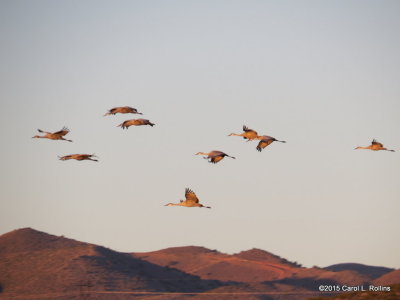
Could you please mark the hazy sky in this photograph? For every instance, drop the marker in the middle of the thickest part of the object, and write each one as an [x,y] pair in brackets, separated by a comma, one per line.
[322,75]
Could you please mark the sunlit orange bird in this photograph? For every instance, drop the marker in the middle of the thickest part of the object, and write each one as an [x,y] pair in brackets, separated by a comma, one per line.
[375,146]
[265,141]
[135,122]
[191,200]
[214,156]
[248,134]
[59,135]
[78,157]
[122,110]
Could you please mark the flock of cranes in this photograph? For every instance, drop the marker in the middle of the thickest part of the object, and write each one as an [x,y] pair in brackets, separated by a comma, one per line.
[214,156]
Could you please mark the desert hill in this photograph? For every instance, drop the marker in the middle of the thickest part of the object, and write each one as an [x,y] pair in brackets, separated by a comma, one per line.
[38,265]
[388,278]
[370,271]
[33,262]
[249,266]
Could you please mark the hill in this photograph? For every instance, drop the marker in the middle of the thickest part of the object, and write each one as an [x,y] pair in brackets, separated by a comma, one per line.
[388,278]
[37,265]
[249,266]
[33,262]
[370,271]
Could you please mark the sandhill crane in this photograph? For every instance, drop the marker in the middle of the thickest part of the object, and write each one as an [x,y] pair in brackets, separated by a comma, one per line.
[248,134]
[135,122]
[122,110]
[78,157]
[191,200]
[265,141]
[59,135]
[375,146]
[214,156]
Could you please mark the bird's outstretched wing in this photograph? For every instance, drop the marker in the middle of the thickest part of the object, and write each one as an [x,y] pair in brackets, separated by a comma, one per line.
[216,159]
[263,143]
[191,196]
[375,142]
[62,132]
[41,131]
[215,153]
[247,129]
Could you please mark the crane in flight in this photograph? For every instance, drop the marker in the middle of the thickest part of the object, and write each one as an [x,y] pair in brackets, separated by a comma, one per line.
[190,201]
[214,156]
[122,110]
[78,157]
[375,146]
[265,141]
[58,135]
[247,133]
[135,122]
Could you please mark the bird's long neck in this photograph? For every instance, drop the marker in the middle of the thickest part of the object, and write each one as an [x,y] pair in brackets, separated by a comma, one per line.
[236,134]
[359,147]
[201,153]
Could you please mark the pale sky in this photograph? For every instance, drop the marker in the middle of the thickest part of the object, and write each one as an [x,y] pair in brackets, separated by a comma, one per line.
[322,75]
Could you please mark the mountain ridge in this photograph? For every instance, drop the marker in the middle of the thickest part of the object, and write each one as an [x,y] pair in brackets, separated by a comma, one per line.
[35,263]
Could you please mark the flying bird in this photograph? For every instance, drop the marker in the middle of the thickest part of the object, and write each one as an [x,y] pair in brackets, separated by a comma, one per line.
[248,134]
[375,146]
[191,200]
[214,156]
[122,110]
[59,135]
[265,141]
[135,122]
[78,157]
